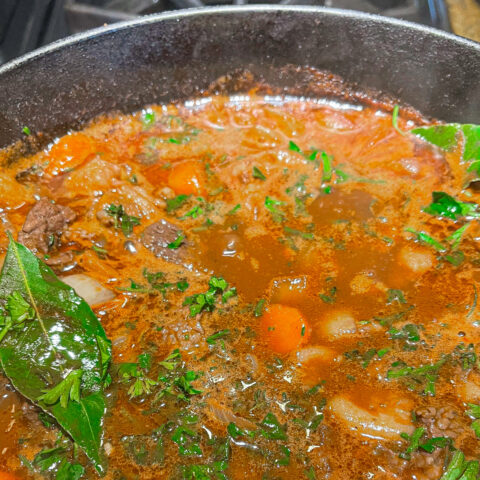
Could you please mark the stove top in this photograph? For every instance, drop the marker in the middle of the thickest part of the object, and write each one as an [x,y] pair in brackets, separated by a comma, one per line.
[28,24]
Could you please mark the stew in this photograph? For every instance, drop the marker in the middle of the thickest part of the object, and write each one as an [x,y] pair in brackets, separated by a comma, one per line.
[243,287]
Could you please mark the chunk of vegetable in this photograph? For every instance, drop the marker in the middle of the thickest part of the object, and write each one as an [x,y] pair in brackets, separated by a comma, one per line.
[338,324]
[92,291]
[416,259]
[284,328]
[187,178]
[316,353]
[69,152]
[386,420]
[288,289]
[469,390]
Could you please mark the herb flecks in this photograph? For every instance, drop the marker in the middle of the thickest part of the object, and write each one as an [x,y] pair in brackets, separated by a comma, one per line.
[207,301]
[272,206]
[177,242]
[136,375]
[418,441]
[176,202]
[18,311]
[257,173]
[121,220]
[461,469]
[474,413]
[395,113]
[420,379]
[67,389]
[444,205]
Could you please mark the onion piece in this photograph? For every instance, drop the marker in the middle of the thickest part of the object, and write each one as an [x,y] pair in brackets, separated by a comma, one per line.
[226,416]
[92,291]
[316,352]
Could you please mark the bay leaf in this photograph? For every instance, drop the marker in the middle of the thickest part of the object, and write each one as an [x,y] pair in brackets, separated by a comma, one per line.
[64,335]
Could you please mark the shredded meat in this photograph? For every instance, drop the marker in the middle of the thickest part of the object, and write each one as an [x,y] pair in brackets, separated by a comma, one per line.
[441,422]
[157,236]
[44,225]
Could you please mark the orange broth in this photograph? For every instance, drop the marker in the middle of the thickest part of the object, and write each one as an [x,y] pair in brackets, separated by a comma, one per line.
[302,206]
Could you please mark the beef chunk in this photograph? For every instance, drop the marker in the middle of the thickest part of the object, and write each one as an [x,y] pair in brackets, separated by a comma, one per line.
[157,236]
[44,225]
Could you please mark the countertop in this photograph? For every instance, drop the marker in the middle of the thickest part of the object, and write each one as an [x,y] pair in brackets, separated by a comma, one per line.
[465,18]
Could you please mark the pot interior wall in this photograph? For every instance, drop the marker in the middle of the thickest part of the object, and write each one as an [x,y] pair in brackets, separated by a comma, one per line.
[176,56]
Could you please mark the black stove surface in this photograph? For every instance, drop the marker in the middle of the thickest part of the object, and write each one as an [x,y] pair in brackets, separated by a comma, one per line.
[28,24]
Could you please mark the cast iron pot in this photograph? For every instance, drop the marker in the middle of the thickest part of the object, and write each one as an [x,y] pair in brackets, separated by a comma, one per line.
[176,55]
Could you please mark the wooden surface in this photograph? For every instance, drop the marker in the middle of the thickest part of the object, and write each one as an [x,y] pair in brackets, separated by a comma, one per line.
[465,18]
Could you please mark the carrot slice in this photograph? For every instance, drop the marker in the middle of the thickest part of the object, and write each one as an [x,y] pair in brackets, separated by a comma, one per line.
[284,328]
[69,152]
[188,178]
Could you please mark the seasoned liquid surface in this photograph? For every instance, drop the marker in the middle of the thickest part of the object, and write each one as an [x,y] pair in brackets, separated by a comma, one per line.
[302,207]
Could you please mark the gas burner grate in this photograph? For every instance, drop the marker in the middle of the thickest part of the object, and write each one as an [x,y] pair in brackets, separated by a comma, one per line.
[28,24]
[429,12]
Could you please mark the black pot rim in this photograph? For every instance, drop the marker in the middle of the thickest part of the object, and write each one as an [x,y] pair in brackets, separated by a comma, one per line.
[205,11]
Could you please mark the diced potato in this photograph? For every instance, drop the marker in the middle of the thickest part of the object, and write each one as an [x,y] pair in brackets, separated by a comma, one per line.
[338,324]
[469,390]
[384,419]
[364,283]
[417,259]
[288,289]
[95,175]
[135,200]
[316,353]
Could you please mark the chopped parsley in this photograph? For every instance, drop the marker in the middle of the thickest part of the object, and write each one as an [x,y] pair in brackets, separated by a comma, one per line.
[450,244]
[330,297]
[68,389]
[207,301]
[271,205]
[327,167]
[461,469]
[148,119]
[212,339]
[409,332]
[396,110]
[443,205]
[294,147]
[474,414]
[298,233]
[101,252]
[195,212]
[429,240]
[257,173]
[429,445]
[310,155]
[234,209]
[176,203]
[420,379]
[394,295]
[121,219]
[177,242]
[258,311]
[271,429]
[135,374]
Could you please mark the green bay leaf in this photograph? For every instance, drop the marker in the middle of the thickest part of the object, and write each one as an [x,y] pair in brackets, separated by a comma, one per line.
[64,336]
